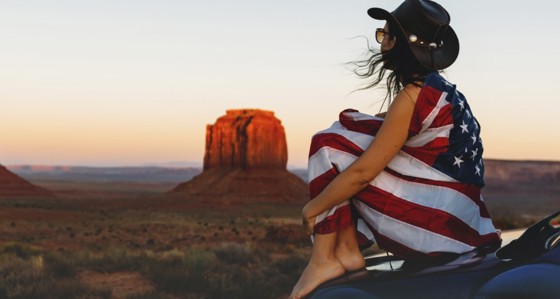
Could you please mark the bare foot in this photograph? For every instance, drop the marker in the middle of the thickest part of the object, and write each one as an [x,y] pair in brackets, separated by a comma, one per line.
[315,274]
[351,260]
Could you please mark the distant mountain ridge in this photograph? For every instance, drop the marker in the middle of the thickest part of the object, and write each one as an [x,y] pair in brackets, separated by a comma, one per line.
[511,171]
[104,174]
[496,171]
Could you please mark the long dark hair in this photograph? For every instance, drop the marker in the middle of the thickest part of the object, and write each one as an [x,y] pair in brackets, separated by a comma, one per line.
[397,66]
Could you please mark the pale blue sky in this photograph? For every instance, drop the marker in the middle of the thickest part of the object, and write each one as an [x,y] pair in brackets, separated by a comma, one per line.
[136,82]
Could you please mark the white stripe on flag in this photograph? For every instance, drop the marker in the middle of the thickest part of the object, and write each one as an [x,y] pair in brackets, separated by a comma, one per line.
[364,230]
[323,160]
[406,164]
[331,211]
[360,139]
[436,197]
[402,162]
[409,235]
[429,135]
[426,123]
[358,116]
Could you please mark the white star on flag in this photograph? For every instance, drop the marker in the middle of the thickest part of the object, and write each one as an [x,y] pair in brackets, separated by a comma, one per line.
[468,113]
[477,170]
[462,104]
[464,127]
[474,153]
[473,137]
[458,161]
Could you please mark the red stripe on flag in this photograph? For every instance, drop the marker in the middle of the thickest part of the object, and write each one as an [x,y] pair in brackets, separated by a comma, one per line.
[444,117]
[364,126]
[342,218]
[335,141]
[425,104]
[433,220]
[319,183]
[471,191]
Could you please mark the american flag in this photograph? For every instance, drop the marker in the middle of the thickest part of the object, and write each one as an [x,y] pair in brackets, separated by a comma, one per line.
[427,200]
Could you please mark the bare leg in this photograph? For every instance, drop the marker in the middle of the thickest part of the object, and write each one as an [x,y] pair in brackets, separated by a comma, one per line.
[323,265]
[347,250]
[332,255]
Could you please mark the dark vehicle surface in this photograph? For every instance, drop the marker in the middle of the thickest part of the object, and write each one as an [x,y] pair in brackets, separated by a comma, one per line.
[527,267]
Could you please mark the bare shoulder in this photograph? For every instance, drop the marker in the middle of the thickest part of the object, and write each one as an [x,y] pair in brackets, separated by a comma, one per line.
[409,93]
[402,107]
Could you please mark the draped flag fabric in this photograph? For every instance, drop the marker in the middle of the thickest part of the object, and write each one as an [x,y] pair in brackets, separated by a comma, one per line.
[427,200]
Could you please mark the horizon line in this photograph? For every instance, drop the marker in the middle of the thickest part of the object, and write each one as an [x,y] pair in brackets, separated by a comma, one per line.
[193,164]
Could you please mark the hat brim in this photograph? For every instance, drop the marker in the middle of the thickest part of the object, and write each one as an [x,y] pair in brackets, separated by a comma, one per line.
[443,57]
[379,14]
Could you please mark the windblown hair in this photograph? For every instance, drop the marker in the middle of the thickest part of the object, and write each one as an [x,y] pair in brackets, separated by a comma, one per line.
[396,67]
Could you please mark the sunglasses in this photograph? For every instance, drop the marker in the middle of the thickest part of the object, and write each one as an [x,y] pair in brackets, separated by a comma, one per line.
[380,34]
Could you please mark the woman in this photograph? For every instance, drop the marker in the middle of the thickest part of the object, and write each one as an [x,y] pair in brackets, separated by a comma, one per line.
[411,180]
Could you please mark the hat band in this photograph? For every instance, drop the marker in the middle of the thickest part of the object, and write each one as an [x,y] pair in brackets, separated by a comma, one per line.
[432,45]
[413,39]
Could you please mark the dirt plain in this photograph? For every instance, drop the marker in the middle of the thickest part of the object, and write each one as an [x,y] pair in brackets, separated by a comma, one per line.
[138,221]
[133,240]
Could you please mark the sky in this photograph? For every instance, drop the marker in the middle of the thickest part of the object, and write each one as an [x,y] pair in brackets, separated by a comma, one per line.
[135,82]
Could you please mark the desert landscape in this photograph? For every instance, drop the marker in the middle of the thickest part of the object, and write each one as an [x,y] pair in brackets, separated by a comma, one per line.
[112,243]
[228,229]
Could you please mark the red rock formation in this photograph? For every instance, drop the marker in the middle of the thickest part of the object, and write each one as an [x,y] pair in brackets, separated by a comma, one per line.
[245,161]
[13,185]
[247,139]
[225,186]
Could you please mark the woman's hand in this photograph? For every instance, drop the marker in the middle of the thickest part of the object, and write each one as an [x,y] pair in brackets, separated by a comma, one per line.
[308,220]
[308,225]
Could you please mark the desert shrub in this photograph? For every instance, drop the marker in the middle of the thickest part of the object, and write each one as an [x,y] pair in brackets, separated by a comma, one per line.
[169,276]
[292,265]
[233,270]
[115,259]
[21,279]
[265,278]
[180,273]
[200,261]
[281,275]
[18,278]
[230,281]
[155,295]
[60,266]
[64,264]
[19,250]
[234,253]
[55,289]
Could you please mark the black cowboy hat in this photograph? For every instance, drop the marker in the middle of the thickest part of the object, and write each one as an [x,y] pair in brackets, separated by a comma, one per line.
[425,25]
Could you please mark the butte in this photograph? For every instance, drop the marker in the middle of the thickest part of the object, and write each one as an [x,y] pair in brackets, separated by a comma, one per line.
[11,185]
[245,161]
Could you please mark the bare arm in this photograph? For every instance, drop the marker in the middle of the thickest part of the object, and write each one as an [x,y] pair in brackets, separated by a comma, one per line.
[388,141]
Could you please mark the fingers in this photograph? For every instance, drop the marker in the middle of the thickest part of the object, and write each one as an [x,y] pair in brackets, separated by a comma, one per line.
[309,226]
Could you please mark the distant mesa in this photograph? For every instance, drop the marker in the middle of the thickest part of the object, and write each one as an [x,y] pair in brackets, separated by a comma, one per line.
[11,185]
[245,160]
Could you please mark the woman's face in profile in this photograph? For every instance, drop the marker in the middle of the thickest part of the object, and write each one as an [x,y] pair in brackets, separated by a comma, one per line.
[387,44]
[388,41]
